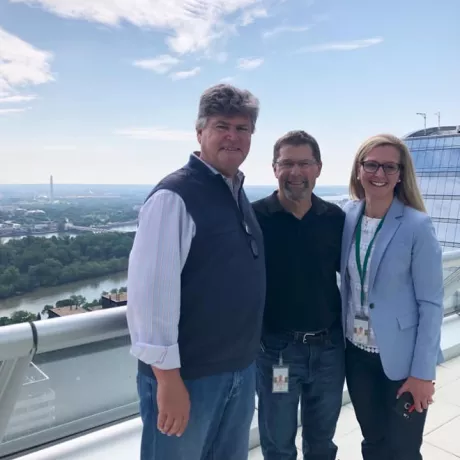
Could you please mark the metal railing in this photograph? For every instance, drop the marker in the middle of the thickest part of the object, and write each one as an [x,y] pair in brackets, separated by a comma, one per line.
[20,343]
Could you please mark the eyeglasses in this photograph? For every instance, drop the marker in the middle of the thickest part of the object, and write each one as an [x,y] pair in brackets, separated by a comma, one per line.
[373,166]
[252,241]
[288,164]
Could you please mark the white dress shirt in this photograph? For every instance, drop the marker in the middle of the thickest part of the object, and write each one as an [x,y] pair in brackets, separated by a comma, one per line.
[161,246]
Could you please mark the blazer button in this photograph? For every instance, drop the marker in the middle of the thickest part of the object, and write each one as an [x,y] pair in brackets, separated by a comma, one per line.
[371,306]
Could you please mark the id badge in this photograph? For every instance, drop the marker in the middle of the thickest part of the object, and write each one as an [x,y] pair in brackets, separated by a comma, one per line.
[280,379]
[361,331]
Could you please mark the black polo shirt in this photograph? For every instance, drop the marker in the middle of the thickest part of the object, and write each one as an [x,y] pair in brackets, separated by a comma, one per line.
[302,262]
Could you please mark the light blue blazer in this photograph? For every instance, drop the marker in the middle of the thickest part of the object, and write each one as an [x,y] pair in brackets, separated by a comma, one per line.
[405,290]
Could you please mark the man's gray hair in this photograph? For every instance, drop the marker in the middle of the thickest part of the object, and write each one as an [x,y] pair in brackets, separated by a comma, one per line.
[228,101]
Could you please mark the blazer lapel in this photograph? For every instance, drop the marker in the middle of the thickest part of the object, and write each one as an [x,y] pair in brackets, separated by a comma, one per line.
[349,229]
[389,227]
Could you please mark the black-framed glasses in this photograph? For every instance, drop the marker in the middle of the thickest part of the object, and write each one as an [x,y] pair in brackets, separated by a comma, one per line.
[372,167]
[252,240]
[289,164]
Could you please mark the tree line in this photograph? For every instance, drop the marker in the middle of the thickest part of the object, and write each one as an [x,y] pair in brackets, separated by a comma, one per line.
[33,262]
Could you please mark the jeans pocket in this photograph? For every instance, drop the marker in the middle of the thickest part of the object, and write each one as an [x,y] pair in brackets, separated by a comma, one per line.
[273,343]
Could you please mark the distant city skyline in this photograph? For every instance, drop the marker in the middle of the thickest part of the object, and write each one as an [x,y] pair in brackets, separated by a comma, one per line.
[102,93]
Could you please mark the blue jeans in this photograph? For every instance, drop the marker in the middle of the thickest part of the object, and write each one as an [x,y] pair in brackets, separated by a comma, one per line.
[316,378]
[222,408]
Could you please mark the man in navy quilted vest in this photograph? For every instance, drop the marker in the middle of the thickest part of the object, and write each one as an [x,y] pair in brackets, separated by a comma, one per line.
[196,293]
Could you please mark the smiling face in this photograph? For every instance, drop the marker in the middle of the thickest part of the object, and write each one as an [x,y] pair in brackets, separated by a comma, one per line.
[225,142]
[379,172]
[296,170]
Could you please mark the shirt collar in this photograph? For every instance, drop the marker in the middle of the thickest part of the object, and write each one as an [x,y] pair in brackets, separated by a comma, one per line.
[234,183]
[274,205]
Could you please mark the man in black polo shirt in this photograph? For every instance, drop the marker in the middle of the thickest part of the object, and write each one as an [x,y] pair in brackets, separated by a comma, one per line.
[302,347]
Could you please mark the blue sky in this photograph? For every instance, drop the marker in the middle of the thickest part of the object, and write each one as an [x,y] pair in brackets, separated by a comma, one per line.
[101,91]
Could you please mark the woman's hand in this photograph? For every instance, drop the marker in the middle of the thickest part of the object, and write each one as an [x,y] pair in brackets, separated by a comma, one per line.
[422,391]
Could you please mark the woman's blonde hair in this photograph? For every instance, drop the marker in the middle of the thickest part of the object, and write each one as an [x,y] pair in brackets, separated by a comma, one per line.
[407,191]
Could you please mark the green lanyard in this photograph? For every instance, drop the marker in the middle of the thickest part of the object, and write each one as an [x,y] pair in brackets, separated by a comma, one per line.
[363,269]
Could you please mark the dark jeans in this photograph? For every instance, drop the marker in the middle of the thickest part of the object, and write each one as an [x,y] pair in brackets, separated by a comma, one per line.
[316,378]
[387,435]
[222,408]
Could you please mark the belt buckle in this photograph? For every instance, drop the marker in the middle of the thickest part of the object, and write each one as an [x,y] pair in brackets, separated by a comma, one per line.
[307,334]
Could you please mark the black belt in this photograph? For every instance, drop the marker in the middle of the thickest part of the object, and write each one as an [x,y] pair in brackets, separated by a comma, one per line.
[306,337]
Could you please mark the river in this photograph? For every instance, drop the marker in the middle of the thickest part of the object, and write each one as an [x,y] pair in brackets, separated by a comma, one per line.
[90,289]
[36,300]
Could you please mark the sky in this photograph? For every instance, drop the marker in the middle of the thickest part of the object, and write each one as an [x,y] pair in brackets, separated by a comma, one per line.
[107,91]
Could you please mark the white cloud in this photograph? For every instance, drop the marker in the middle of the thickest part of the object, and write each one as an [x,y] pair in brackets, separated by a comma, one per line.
[22,64]
[6,111]
[194,24]
[185,74]
[160,64]
[282,29]
[157,133]
[4,99]
[227,79]
[341,46]
[249,16]
[250,64]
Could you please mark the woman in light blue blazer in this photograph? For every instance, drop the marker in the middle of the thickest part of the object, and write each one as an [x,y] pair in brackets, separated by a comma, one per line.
[392,301]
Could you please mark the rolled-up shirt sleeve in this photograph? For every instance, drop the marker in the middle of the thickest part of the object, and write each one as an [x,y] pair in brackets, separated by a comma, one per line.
[158,255]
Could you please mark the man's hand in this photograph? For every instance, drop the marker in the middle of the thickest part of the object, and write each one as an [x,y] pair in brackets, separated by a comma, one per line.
[173,402]
[422,391]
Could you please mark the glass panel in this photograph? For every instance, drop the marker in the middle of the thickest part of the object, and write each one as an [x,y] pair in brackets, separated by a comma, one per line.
[72,384]
[456,141]
[444,156]
[441,230]
[443,208]
[448,141]
[449,184]
[423,143]
[436,158]
[428,160]
[454,158]
[421,158]
[424,181]
[432,142]
[452,234]
[415,143]
[432,184]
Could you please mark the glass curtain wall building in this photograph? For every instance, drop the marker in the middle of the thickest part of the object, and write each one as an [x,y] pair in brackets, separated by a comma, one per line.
[436,154]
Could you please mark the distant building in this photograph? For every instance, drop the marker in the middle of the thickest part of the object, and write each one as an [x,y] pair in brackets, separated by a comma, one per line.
[59,312]
[51,189]
[35,211]
[436,154]
[114,300]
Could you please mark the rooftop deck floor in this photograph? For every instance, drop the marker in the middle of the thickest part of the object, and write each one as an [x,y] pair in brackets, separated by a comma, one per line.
[442,433]
[442,430]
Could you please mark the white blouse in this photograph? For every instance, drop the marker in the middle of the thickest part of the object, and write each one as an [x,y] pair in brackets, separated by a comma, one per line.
[368,228]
